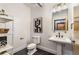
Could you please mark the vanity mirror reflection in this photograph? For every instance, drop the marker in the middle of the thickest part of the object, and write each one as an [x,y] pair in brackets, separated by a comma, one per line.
[60,24]
[60,18]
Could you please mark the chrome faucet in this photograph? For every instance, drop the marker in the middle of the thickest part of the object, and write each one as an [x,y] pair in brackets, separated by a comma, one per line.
[59,35]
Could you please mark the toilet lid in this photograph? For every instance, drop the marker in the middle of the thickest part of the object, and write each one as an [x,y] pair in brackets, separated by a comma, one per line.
[31,45]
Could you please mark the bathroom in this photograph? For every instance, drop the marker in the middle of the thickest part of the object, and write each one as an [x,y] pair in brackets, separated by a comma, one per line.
[22,28]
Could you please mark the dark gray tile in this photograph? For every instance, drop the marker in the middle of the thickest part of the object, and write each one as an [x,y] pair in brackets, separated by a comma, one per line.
[42,52]
[38,52]
[22,52]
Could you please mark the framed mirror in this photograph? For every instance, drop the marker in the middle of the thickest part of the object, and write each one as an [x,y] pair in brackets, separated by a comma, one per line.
[60,17]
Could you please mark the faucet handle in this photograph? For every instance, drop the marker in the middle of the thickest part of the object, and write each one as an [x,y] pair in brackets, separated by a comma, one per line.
[61,36]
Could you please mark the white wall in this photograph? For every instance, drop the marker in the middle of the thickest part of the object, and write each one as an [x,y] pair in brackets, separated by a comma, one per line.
[46,13]
[47,27]
[21,15]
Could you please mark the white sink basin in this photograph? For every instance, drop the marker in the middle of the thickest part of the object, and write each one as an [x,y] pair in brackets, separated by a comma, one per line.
[60,40]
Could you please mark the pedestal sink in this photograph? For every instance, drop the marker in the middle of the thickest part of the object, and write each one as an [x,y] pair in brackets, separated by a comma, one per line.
[60,42]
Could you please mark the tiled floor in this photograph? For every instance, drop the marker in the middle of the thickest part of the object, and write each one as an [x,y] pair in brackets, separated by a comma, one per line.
[39,52]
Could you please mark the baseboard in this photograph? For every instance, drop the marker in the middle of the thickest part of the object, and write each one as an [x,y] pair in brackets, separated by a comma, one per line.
[47,49]
[18,49]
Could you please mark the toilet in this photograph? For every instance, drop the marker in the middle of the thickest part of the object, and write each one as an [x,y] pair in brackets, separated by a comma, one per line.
[32,46]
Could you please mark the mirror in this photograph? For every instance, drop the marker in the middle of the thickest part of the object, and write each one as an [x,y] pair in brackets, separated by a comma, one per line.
[60,24]
[60,19]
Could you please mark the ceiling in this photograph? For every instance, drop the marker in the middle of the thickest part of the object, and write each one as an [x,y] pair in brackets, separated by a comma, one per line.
[34,5]
[38,5]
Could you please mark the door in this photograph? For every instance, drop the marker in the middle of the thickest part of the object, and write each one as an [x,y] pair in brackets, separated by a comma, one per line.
[76,30]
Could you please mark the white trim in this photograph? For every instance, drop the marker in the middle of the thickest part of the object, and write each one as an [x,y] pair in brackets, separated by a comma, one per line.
[47,49]
[5,48]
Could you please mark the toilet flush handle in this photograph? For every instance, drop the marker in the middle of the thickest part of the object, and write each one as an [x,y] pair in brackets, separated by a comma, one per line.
[21,38]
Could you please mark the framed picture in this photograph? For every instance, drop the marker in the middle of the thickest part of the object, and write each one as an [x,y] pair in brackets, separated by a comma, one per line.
[38,25]
[60,24]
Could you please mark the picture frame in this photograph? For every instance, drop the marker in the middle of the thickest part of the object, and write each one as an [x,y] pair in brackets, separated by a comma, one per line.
[38,25]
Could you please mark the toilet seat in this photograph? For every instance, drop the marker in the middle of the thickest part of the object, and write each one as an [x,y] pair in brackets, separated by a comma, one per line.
[31,46]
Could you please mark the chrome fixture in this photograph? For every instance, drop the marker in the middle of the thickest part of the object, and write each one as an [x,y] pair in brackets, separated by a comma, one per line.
[59,35]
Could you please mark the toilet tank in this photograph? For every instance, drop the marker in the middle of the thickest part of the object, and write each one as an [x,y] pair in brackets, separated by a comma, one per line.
[36,39]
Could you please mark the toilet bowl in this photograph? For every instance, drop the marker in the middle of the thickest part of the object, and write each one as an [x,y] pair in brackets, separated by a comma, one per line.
[32,46]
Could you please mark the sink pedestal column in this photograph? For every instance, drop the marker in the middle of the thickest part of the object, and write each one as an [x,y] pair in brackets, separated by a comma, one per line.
[59,49]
